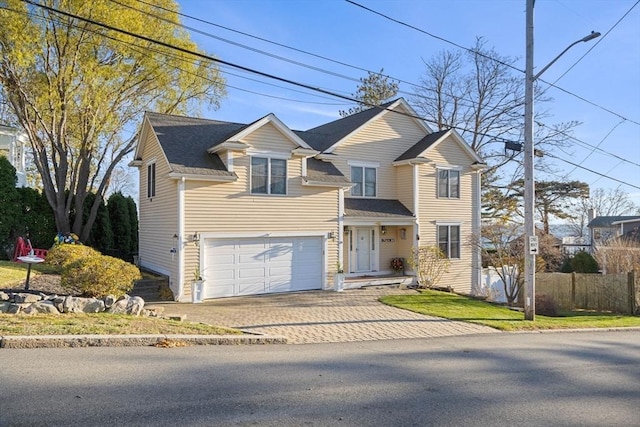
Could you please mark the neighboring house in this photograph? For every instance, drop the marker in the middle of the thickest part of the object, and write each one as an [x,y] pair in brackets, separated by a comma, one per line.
[571,245]
[260,208]
[13,143]
[604,228]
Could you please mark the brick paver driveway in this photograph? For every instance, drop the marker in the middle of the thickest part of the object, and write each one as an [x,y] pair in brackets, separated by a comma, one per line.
[323,316]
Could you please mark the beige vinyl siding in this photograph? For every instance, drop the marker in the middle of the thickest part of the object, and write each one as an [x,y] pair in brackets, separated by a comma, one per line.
[158,215]
[404,185]
[382,141]
[388,250]
[269,138]
[434,210]
[231,208]
[399,248]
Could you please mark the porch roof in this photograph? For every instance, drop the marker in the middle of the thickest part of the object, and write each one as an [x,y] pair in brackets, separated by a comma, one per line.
[375,208]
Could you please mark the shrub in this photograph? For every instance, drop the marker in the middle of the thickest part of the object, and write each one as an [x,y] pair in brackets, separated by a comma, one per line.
[99,276]
[430,263]
[583,262]
[546,305]
[62,255]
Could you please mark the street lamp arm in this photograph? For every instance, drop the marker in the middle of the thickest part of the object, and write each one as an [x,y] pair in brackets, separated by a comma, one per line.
[593,35]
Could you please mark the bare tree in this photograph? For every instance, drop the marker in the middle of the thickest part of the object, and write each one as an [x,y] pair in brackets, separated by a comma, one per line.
[611,202]
[619,255]
[481,95]
[502,247]
[430,263]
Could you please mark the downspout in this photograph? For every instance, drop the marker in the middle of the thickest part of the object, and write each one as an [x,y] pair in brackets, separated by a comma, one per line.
[181,242]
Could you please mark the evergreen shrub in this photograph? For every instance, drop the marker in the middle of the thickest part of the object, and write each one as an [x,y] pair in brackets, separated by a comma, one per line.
[99,276]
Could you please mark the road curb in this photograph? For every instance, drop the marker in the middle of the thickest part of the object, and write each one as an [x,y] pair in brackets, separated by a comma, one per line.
[555,331]
[66,341]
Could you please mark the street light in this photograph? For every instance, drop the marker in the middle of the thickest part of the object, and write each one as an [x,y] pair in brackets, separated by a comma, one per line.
[531,241]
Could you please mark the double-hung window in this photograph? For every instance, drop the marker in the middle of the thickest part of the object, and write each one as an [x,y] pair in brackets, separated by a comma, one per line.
[449,240]
[364,179]
[268,175]
[151,180]
[449,183]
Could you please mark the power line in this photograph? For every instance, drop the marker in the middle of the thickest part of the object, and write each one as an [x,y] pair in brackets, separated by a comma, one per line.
[315,55]
[250,70]
[594,148]
[285,46]
[488,57]
[470,103]
[597,42]
[591,170]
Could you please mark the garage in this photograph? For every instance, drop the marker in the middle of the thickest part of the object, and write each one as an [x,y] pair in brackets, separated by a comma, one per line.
[249,266]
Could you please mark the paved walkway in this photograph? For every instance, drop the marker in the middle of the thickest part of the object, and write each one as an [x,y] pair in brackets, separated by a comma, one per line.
[323,316]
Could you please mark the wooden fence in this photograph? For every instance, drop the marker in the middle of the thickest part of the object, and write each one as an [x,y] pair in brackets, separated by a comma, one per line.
[618,293]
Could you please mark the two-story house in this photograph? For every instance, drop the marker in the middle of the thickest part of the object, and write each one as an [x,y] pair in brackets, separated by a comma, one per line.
[260,208]
[603,229]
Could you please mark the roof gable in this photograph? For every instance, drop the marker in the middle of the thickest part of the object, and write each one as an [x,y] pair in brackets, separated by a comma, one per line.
[328,137]
[432,140]
[266,120]
[184,142]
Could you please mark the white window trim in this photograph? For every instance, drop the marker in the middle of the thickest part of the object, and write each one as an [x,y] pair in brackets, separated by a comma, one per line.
[269,154]
[155,178]
[448,168]
[286,175]
[363,166]
[450,224]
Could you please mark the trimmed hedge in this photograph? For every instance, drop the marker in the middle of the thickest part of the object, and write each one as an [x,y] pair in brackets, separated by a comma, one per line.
[88,272]
[99,276]
[63,255]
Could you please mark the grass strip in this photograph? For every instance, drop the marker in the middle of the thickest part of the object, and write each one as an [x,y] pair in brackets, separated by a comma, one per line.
[102,324]
[462,308]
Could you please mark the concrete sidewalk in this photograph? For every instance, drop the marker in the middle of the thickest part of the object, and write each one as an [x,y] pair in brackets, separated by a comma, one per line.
[323,316]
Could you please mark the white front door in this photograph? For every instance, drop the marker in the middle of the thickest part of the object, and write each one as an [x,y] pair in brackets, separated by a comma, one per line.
[364,250]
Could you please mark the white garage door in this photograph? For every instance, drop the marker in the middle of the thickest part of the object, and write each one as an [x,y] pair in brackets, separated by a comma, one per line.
[250,266]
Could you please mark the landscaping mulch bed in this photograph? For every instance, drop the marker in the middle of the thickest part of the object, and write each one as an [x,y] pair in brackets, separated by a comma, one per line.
[45,283]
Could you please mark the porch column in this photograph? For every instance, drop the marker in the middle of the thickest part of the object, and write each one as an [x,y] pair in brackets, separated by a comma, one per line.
[181,242]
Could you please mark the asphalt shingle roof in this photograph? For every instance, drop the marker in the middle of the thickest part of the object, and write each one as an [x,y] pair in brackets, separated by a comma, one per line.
[324,136]
[422,145]
[185,141]
[317,170]
[354,207]
[607,221]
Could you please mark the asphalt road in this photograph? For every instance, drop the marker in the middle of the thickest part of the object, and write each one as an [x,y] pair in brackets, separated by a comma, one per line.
[559,379]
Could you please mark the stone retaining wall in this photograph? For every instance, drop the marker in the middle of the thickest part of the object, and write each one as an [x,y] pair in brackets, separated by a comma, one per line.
[39,303]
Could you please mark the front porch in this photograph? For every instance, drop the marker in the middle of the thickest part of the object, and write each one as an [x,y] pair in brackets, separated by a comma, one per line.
[355,282]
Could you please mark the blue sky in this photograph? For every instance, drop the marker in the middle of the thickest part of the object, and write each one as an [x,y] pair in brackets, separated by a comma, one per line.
[608,76]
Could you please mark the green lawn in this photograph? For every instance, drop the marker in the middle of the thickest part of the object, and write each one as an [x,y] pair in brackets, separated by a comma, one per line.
[457,307]
[102,324]
[14,273]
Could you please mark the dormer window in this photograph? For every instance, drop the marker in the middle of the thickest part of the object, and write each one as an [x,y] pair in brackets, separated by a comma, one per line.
[365,180]
[268,175]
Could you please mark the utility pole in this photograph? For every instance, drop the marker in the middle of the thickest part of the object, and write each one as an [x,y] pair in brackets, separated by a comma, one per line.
[529,181]
[531,240]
